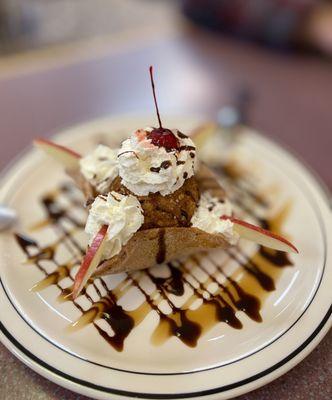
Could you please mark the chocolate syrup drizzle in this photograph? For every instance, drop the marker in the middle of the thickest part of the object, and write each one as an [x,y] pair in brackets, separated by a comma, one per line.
[254,277]
[162,247]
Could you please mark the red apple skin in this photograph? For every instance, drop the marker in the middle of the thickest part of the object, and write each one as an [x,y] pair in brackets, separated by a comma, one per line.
[261,231]
[41,141]
[92,258]
[66,157]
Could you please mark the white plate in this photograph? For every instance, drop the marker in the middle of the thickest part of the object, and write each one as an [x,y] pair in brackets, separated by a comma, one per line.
[226,362]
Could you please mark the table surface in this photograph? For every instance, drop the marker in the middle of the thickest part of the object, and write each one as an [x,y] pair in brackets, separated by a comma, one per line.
[196,73]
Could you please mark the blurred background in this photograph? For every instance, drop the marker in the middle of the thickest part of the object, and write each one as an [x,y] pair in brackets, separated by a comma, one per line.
[266,62]
[66,61]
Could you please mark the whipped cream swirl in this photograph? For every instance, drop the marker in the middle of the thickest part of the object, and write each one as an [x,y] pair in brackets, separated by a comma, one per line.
[207,217]
[122,214]
[100,167]
[146,168]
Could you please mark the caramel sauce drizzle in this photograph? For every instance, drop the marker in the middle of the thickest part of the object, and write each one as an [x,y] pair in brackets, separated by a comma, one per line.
[254,277]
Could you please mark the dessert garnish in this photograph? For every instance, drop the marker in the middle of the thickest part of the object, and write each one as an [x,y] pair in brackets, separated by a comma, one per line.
[150,202]
[161,137]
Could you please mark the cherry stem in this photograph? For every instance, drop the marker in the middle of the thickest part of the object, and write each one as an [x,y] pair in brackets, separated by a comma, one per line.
[154,95]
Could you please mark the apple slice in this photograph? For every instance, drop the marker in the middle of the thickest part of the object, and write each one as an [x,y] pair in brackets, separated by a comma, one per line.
[261,236]
[90,261]
[67,157]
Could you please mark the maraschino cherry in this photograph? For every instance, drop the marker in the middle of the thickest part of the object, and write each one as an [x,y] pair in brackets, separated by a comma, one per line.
[161,137]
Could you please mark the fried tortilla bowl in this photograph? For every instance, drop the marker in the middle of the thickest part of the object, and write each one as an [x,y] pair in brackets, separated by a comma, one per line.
[148,247]
[154,246]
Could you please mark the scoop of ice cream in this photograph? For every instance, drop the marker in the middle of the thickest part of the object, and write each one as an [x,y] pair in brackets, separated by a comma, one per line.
[123,215]
[207,217]
[100,167]
[175,209]
[148,168]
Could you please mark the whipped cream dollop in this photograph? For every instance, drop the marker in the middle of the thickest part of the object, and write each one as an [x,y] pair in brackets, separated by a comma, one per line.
[146,168]
[100,167]
[207,217]
[122,214]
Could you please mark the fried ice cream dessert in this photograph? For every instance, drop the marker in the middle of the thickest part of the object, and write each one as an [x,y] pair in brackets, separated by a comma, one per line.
[162,178]
[175,209]
[150,202]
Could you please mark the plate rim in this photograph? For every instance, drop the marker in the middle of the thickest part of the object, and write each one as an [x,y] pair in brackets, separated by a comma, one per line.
[200,370]
[267,375]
